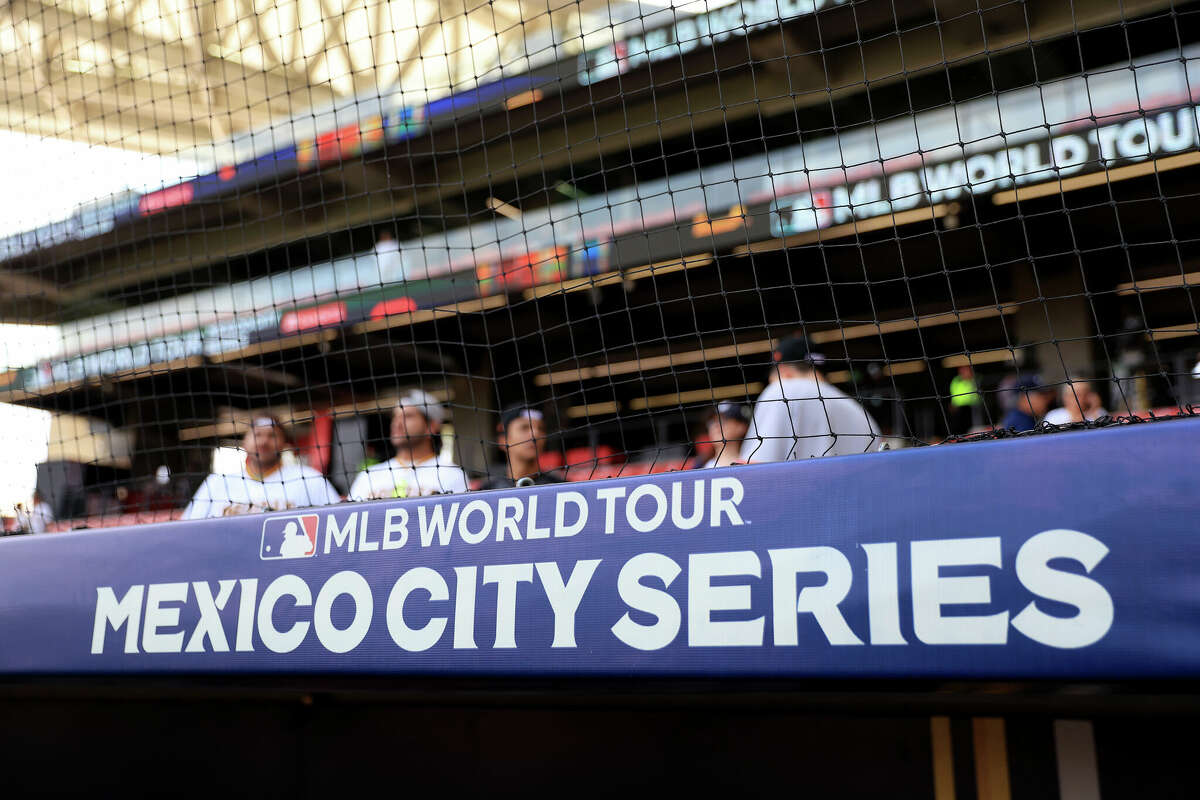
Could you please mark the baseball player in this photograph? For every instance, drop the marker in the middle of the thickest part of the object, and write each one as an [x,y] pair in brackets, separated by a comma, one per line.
[800,415]
[265,482]
[414,471]
[521,436]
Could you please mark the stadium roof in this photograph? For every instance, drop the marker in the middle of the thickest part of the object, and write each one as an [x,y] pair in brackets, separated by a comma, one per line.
[606,94]
[171,76]
[167,76]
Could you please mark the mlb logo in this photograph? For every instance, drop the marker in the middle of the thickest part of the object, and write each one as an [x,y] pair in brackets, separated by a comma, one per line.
[289,537]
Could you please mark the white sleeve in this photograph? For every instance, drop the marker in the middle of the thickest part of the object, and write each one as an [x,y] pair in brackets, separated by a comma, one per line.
[1058,416]
[361,488]
[201,506]
[318,490]
[331,494]
[454,480]
[771,436]
[875,429]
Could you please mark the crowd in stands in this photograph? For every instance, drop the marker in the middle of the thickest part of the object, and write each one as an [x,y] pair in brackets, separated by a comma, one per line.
[798,415]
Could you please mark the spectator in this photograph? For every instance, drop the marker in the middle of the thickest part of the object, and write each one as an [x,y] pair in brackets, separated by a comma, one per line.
[726,428]
[1080,403]
[22,521]
[35,518]
[266,483]
[521,435]
[1032,401]
[801,415]
[387,255]
[966,402]
[41,515]
[1006,392]
[415,470]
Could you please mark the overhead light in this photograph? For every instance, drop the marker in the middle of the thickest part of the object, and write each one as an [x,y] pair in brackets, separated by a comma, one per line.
[1172,332]
[765,345]
[501,207]
[80,67]
[909,323]
[593,410]
[653,362]
[905,367]
[1156,284]
[696,396]
[235,420]
[974,359]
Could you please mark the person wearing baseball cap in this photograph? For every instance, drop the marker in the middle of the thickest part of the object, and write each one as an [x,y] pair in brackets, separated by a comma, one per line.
[801,415]
[414,471]
[726,427]
[1033,400]
[521,436]
[265,483]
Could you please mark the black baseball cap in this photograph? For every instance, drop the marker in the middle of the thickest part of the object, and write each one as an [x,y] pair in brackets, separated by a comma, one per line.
[1030,382]
[514,412]
[796,349]
[731,410]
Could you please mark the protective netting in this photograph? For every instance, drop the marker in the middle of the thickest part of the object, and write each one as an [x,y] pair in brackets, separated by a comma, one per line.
[433,247]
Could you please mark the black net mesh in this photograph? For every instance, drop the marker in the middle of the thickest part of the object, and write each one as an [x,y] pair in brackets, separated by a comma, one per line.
[430,247]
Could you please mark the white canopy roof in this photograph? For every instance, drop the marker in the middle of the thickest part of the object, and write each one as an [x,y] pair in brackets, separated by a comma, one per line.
[168,76]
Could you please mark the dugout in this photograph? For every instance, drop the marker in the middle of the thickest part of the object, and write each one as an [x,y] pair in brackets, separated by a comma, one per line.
[1107,718]
[631,339]
[618,235]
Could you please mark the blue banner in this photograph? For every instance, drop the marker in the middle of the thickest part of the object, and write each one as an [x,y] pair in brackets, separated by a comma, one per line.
[1060,556]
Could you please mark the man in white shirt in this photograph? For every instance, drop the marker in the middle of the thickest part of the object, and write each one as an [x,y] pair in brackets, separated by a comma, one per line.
[800,415]
[1080,402]
[35,518]
[265,482]
[40,515]
[415,471]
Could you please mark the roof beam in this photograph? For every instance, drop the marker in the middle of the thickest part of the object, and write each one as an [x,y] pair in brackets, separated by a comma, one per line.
[279,86]
[22,112]
[431,27]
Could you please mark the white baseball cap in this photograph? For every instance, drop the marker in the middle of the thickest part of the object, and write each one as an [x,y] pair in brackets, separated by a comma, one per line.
[428,405]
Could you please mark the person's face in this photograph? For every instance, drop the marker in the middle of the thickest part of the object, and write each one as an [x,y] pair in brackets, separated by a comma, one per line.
[1077,398]
[524,439]
[1037,402]
[410,428]
[263,443]
[724,429]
